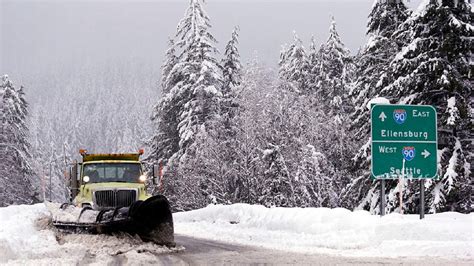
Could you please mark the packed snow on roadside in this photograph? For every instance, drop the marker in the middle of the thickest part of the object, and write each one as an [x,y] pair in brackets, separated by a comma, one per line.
[333,231]
[26,237]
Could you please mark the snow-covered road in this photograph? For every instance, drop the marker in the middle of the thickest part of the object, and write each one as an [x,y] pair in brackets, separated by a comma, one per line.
[211,252]
[246,234]
[338,232]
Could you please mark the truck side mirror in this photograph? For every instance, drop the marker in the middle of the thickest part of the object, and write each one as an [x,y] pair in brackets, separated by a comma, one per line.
[74,180]
[156,172]
[78,171]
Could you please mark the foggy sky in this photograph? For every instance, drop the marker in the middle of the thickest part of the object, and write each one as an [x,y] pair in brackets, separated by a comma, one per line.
[40,36]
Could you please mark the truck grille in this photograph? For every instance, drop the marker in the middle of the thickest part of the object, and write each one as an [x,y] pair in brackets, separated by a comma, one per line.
[114,198]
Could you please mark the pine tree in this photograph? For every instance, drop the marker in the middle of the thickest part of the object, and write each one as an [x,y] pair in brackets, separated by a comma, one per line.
[15,172]
[372,74]
[202,75]
[294,66]
[232,68]
[232,77]
[167,80]
[212,166]
[314,67]
[229,182]
[333,85]
[192,94]
[335,69]
[192,81]
[373,62]
[434,69]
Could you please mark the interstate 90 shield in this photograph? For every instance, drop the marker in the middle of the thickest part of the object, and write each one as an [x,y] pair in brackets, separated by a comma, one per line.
[408,153]
[399,115]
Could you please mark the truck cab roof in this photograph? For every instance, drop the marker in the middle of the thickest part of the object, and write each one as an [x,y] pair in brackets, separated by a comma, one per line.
[111,157]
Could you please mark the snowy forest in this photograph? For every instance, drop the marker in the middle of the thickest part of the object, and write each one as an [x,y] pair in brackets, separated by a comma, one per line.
[227,131]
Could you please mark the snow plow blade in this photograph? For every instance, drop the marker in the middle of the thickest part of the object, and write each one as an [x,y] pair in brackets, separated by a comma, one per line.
[150,219]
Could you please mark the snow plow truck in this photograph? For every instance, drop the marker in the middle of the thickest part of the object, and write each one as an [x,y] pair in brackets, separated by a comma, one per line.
[109,194]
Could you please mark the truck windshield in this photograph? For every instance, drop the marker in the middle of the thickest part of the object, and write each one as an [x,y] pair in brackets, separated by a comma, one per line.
[112,172]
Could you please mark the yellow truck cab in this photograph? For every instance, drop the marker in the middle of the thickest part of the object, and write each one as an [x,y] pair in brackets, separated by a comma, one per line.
[108,181]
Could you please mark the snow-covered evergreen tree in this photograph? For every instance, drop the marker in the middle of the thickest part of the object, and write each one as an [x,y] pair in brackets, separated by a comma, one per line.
[335,66]
[200,87]
[336,69]
[165,139]
[190,103]
[294,66]
[232,77]
[373,62]
[232,68]
[212,167]
[228,184]
[372,74]
[15,171]
[314,67]
[193,78]
[165,142]
[434,68]
[167,80]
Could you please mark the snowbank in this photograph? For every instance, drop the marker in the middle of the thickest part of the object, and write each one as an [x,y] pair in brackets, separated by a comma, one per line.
[333,231]
[18,233]
[26,238]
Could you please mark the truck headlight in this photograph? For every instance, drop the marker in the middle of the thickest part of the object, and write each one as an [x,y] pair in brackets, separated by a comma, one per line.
[142,178]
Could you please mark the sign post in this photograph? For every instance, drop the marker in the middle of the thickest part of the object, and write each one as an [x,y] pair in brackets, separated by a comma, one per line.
[404,142]
[382,197]
[422,198]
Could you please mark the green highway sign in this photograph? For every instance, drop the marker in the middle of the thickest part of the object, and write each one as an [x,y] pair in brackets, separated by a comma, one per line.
[404,141]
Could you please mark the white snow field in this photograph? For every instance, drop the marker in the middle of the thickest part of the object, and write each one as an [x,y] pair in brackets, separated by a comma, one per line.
[333,231]
[26,238]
